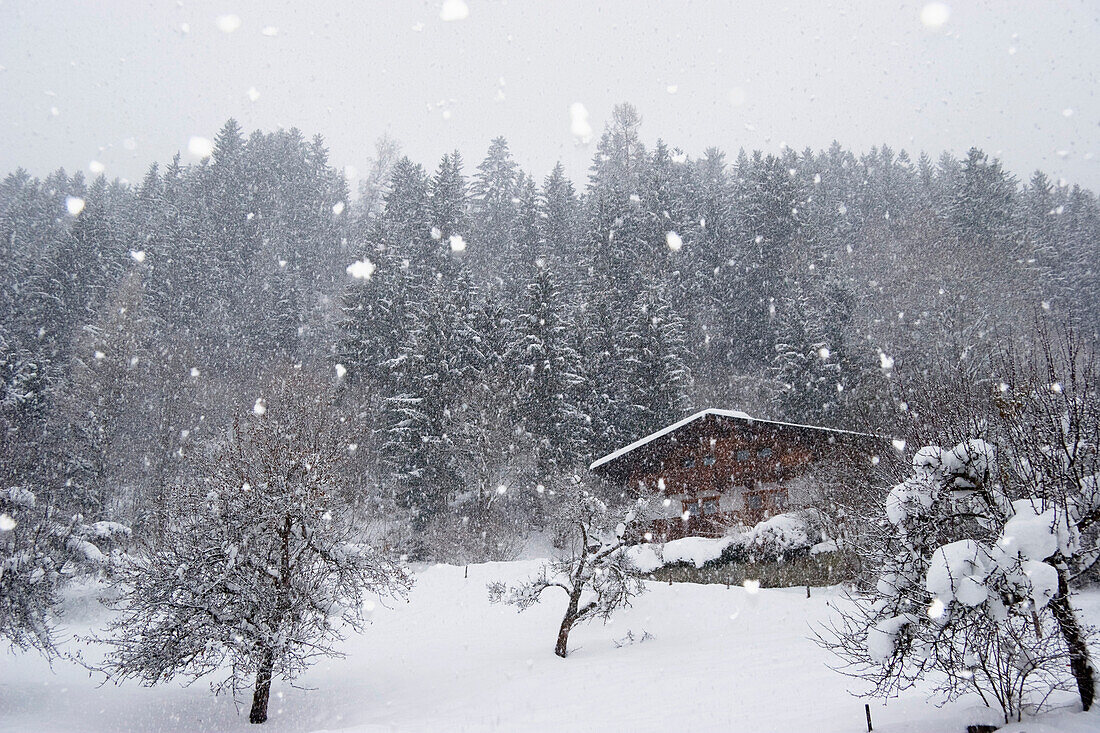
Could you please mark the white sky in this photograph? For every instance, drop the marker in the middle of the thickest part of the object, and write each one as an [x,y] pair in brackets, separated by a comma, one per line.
[130,87]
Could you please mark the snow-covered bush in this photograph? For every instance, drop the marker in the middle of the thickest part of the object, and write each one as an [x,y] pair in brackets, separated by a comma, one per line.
[40,549]
[782,536]
[596,572]
[261,567]
[774,539]
[967,587]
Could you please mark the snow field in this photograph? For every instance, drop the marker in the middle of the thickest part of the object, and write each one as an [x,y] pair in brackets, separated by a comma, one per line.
[447,660]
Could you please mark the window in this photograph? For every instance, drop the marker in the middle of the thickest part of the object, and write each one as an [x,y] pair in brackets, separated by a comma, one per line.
[689,462]
[709,460]
[754,502]
[743,455]
[764,453]
[710,505]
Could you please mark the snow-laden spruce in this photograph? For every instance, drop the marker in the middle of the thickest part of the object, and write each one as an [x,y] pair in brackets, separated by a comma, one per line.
[261,567]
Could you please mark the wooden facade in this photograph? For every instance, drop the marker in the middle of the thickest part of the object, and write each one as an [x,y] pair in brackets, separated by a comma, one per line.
[719,469]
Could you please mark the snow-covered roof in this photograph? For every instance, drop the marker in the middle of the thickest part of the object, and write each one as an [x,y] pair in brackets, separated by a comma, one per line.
[732,414]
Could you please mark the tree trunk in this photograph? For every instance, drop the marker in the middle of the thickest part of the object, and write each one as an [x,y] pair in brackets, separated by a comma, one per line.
[263,689]
[567,623]
[1079,661]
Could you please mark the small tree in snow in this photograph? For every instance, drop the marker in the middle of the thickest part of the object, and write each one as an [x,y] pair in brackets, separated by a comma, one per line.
[260,566]
[964,588]
[41,548]
[596,574]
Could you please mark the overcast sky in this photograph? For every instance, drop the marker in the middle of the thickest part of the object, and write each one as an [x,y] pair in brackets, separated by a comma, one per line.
[125,83]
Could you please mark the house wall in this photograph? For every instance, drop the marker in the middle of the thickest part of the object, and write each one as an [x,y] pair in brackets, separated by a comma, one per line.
[753,471]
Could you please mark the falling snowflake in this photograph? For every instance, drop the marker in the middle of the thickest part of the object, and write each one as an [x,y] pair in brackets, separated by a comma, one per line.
[7,524]
[674,241]
[361,269]
[458,244]
[137,255]
[341,370]
[751,586]
[260,407]
[454,10]
[338,208]
[437,233]
[934,15]
[74,205]
[252,94]
[270,30]
[195,371]
[579,125]
[228,23]
[200,147]
[96,167]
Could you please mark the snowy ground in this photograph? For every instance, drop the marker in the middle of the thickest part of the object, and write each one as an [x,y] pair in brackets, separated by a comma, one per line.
[719,660]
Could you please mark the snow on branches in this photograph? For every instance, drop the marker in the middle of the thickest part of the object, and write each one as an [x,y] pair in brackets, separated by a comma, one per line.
[967,586]
[596,572]
[262,567]
[40,549]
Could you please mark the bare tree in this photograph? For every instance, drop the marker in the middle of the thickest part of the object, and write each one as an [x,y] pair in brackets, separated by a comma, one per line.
[595,562]
[260,567]
[1049,414]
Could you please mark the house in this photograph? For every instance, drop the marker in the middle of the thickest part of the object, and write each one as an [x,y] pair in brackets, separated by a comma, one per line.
[721,468]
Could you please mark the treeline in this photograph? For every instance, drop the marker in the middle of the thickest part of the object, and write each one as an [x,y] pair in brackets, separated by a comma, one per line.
[488,333]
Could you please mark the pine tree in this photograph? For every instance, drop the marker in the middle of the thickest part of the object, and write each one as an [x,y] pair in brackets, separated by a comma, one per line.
[494,208]
[549,378]
[423,426]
